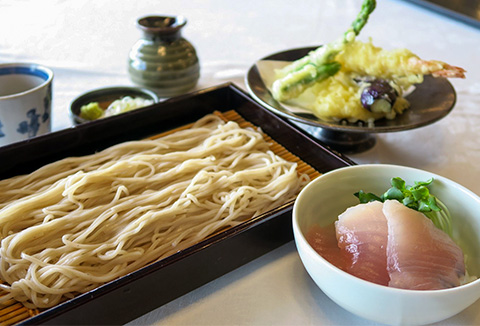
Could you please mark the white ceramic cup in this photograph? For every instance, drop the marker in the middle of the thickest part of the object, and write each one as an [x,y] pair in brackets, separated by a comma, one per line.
[25,101]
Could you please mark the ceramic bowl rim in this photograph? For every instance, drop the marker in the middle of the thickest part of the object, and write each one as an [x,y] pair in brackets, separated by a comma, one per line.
[12,68]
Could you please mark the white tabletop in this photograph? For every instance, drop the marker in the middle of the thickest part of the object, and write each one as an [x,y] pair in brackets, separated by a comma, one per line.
[86,43]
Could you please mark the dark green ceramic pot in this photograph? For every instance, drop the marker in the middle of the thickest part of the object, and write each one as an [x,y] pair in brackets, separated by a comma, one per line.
[162,59]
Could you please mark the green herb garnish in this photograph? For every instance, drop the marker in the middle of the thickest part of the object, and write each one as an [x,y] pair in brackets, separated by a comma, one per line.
[417,197]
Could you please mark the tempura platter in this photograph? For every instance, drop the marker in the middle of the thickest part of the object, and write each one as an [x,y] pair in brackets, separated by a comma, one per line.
[137,293]
[430,101]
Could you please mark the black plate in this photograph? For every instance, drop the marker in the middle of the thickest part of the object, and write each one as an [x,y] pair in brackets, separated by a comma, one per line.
[430,101]
[466,11]
[135,294]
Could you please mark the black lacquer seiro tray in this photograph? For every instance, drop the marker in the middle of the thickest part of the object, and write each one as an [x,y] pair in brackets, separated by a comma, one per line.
[137,293]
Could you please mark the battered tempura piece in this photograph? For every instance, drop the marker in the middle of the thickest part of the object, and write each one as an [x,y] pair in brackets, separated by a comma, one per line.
[371,83]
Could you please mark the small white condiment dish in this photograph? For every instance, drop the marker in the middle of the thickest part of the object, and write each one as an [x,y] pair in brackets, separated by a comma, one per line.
[323,199]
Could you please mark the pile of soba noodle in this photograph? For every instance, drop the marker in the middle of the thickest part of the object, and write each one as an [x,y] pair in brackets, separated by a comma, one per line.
[83,221]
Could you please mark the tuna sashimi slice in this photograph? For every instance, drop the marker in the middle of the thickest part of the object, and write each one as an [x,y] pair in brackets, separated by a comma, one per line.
[362,237]
[419,255]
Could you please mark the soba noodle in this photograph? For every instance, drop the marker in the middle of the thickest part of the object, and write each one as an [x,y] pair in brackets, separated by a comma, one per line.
[79,222]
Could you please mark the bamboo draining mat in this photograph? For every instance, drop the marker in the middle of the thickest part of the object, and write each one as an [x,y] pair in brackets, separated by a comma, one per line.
[13,312]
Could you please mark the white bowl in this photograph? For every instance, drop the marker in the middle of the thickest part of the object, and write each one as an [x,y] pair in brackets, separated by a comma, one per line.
[323,199]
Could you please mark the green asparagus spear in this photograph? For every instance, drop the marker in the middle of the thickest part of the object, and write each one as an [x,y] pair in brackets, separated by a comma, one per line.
[318,64]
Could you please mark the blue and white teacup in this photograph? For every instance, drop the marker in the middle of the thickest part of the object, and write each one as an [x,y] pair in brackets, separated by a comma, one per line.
[25,101]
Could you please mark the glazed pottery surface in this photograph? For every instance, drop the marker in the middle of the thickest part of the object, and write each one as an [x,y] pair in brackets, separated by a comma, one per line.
[162,60]
[25,101]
